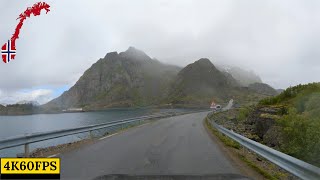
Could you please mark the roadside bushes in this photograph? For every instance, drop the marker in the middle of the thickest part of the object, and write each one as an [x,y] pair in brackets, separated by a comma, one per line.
[301,136]
[299,121]
[244,113]
[290,93]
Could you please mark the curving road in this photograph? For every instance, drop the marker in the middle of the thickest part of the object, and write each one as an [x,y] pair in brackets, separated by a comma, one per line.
[175,145]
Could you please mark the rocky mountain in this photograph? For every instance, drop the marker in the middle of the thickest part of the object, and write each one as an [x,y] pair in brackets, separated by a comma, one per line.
[263,89]
[133,79]
[125,79]
[244,77]
[199,82]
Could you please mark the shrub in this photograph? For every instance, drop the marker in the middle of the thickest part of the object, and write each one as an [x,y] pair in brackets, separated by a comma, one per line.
[244,113]
[301,136]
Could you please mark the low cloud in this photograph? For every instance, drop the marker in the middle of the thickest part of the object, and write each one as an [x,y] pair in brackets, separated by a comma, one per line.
[40,95]
[278,40]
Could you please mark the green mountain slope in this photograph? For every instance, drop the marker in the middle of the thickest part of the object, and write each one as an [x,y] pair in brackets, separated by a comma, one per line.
[200,82]
[290,122]
[262,88]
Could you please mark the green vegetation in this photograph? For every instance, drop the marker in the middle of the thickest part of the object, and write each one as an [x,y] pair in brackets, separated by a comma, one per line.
[257,168]
[300,121]
[227,141]
[292,93]
[268,173]
[301,136]
[269,116]
[244,113]
[18,109]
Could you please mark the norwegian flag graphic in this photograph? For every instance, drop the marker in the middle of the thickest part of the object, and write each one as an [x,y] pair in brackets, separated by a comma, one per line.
[8,51]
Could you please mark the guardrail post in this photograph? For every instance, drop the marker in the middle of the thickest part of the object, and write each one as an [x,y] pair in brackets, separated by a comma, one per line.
[122,126]
[26,150]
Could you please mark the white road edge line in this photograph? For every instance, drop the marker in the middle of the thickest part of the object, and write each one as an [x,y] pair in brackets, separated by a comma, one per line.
[108,136]
[120,132]
[53,155]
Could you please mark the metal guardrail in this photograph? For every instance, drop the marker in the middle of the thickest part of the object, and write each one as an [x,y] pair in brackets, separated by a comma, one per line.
[295,166]
[27,139]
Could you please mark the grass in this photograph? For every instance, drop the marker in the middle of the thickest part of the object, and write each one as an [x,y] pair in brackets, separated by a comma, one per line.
[270,116]
[233,144]
[264,173]
[244,113]
[227,141]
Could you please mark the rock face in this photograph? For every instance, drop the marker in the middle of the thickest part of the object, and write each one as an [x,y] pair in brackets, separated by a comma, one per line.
[263,89]
[130,78]
[243,77]
[133,79]
[200,82]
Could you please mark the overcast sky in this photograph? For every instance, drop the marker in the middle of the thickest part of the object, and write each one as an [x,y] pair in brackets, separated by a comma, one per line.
[277,39]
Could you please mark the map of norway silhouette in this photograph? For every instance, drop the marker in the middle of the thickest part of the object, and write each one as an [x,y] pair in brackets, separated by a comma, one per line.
[8,50]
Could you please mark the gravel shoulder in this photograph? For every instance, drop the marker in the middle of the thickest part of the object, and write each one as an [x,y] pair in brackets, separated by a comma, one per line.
[251,160]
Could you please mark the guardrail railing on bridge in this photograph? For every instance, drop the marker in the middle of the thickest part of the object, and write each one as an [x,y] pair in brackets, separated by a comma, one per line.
[293,165]
[27,139]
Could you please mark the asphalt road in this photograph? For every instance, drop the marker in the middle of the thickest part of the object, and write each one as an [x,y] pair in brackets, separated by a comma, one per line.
[175,145]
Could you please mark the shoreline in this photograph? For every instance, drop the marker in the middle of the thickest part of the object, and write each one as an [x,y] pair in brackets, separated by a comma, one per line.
[53,151]
[109,109]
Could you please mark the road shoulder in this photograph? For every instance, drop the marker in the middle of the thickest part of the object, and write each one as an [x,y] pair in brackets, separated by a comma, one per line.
[233,156]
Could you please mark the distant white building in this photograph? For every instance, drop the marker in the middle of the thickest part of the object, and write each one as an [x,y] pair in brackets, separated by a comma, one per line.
[73,110]
[214,106]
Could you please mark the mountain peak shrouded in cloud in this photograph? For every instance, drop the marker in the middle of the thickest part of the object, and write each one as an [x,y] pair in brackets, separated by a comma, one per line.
[134,53]
[132,79]
[127,79]
[243,76]
[201,77]
[277,39]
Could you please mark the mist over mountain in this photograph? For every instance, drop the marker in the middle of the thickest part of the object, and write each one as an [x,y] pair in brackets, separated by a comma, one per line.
[133,79]
[244,77]
[199,83]
[263,88]
[127,79]
[34,103]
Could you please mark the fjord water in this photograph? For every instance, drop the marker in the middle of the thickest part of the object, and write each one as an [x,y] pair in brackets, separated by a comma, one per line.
[11,126]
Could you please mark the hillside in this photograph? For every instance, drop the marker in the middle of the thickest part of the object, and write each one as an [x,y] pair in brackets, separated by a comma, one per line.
[127,79]
[19,109]
[244,77]
[263,88]
[133,79]
[200,82]
[288,122]
[298,119]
